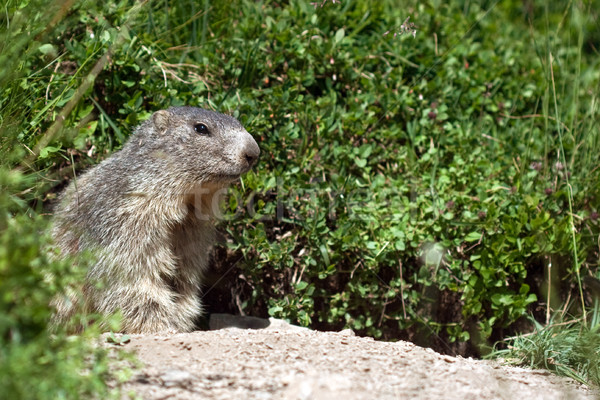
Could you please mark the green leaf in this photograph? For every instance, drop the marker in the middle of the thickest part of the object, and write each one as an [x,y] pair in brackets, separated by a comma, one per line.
[301,285]
[47,49]
[360,162]
[46,151]
[339,35]
[473,237]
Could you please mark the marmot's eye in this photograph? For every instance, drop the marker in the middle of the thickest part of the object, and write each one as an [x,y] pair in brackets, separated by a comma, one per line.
[201,129]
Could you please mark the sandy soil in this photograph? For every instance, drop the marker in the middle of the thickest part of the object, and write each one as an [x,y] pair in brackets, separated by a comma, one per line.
[280,361]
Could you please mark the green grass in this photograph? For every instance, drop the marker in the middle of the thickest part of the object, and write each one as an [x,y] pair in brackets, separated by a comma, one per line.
[569,348]
[411,187]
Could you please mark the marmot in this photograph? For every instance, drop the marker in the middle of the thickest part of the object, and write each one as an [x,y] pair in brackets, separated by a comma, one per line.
[147,214]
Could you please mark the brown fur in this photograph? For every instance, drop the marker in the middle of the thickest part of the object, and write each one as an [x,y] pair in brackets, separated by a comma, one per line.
[147,214]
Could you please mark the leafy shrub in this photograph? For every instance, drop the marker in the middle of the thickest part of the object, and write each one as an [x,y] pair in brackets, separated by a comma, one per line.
[416,189]
[33,363]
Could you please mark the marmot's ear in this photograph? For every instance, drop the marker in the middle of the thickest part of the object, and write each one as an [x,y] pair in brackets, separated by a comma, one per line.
[161,120]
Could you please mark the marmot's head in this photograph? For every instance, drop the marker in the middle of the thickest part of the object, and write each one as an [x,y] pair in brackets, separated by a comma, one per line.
[205,146]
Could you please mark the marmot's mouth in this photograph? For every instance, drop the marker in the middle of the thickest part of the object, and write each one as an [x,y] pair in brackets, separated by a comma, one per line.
[230,177]
[225,177]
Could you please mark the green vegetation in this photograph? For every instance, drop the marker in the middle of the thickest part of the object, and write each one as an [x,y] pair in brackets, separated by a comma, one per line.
[440,187]
[567,348]
[34,364]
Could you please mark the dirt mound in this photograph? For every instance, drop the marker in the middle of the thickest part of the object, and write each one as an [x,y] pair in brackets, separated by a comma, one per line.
[280,361]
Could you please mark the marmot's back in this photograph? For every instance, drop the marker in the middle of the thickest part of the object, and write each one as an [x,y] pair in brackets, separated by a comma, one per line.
[146,212]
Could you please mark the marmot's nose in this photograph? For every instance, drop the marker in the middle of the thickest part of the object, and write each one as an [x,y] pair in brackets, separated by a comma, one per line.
[251,153]
[251,159]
